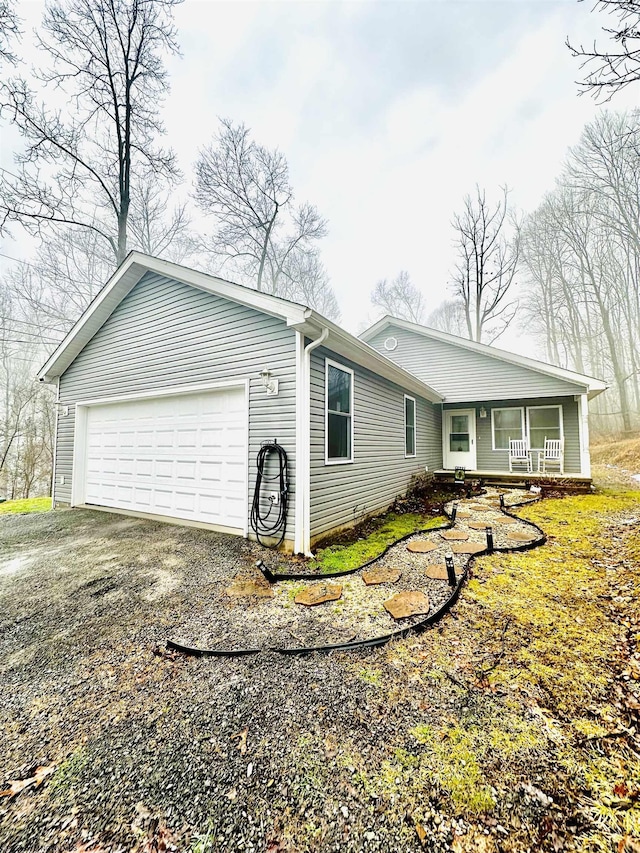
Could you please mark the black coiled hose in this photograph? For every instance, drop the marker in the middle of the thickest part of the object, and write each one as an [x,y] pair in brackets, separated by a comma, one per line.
[264,525]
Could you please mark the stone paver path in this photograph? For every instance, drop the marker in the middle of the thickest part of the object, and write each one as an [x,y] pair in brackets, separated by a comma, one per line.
[414,569]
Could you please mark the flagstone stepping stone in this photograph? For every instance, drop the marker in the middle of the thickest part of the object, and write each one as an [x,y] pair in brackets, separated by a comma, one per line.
[318,593]
[480,525]
[468,547]
[481,508]
[461,513]
[242,587]
[453,535]
[505,519]
[421,546]
[521,536]
[437,571]
[381,575]
[411,603]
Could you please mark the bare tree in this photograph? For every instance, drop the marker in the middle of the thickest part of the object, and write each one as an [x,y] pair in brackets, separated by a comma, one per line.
[53,289]
[449,317]
[399,298]
[246,187]
[610,70]
[9,30]
[307,282]
[487,264]
[157,229]
[581,253]
[106,58]
[26,408]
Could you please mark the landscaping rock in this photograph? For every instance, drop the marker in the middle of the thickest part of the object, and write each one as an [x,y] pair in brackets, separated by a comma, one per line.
[410,603]
[243,586]
[468,547]
[318,593]
[381,575]
[437,571]
[421,546]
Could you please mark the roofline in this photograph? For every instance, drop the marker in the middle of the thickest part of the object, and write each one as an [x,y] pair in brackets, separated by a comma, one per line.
[299,317]
[349,346]
[592,385]
[128,274]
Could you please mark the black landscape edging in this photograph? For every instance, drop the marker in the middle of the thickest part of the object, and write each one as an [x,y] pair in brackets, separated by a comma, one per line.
[385,638]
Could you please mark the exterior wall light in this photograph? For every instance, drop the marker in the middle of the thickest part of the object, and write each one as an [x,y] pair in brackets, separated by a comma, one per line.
[270,385]
[482,412]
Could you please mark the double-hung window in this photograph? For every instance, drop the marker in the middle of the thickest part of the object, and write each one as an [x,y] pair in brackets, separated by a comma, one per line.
[409,426]
[544,422]
[506,425]
[339,413]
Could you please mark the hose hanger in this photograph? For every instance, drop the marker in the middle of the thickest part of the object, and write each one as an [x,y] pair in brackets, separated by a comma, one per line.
[271,521]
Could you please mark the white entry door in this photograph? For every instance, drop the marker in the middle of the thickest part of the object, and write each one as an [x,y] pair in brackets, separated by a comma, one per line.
[182,456]
[460,438]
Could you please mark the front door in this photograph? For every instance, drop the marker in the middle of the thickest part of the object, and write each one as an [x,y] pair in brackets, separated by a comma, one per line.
[460,438]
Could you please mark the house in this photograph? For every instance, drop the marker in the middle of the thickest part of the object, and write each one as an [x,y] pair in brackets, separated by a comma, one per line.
[491,396]
[172,379]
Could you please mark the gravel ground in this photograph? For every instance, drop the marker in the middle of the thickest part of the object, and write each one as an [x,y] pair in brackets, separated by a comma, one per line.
[159,752]
[234,622]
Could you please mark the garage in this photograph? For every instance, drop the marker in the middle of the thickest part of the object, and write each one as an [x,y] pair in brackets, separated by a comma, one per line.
[180,455]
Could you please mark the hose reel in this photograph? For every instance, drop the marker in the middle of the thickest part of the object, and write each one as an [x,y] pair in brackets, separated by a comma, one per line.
[267,523]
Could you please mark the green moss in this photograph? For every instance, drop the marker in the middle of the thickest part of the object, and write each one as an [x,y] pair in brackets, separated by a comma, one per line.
[371,676]
[338,558]
[26,505]
[69,772]
[456,756]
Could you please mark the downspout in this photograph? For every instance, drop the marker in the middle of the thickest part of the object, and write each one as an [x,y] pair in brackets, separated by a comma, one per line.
[303,481]
[55,444]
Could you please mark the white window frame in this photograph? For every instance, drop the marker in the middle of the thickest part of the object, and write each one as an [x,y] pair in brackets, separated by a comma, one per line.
[415,427]
[327,364]
[560,420]
[493,425]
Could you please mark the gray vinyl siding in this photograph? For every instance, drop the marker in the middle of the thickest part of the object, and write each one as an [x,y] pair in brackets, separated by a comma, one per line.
[165,334]
[340,494]
[460,375]
[498,460]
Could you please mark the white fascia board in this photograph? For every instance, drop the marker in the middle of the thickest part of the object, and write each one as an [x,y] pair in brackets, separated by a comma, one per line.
[348,346]
[589,383]
[124,280]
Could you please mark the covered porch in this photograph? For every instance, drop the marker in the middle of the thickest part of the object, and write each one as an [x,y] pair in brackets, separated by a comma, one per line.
[477,436]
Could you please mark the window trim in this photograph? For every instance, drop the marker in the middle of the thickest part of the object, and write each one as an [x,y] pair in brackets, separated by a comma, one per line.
[560,409]
[493,426]
[327,364]
[415,427]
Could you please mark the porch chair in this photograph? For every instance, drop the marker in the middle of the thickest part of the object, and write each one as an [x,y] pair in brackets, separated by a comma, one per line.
[552,456]
[519,454]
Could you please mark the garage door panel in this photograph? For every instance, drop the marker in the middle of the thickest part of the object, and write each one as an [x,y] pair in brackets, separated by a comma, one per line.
[183,456]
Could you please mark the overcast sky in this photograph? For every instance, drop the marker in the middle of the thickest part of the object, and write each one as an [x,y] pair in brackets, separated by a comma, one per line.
[388,112]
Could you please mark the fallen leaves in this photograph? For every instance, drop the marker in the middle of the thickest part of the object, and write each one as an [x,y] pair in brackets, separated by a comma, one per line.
[628,845]
[17,785]
[241,737]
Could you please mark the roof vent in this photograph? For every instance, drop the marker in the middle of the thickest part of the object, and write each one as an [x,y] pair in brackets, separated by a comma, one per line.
[390,344]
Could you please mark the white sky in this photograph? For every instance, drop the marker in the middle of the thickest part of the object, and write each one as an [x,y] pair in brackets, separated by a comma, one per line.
[388,112]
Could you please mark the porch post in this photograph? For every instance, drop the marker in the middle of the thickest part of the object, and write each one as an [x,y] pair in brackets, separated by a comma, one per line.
[583,428]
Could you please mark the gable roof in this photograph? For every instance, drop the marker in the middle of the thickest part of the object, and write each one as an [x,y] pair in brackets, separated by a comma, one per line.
[591,385]
[299,317]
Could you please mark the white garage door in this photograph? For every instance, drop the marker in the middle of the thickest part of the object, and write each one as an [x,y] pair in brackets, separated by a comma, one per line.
[182,455]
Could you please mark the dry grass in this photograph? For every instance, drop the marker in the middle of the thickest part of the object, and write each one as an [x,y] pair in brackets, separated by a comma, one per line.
[623,452]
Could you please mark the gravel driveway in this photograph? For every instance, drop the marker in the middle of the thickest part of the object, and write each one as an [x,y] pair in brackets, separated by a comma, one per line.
[262,753]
